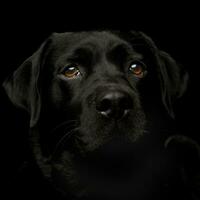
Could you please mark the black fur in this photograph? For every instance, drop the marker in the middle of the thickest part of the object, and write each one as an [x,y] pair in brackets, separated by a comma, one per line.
[80,151]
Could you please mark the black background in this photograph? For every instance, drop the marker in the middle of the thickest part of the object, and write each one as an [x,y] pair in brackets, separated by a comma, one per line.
[23,29]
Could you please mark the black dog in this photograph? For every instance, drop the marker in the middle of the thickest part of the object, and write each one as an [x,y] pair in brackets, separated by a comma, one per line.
[100,105]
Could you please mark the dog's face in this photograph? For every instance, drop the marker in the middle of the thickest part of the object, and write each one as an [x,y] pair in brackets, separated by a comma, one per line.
[93,97]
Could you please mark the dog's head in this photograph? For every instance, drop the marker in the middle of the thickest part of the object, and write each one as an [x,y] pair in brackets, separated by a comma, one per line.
[91,97]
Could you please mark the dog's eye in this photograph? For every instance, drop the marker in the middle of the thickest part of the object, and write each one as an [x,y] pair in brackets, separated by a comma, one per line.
[71,71]
[138,69]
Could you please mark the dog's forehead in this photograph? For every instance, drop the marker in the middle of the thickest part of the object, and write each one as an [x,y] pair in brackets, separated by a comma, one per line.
[102,40]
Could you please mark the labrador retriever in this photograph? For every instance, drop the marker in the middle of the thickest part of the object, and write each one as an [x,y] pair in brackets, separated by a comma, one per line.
[101,107]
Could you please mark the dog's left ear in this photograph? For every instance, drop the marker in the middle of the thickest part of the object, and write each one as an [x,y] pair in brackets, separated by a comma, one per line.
[22,86]
[174,80]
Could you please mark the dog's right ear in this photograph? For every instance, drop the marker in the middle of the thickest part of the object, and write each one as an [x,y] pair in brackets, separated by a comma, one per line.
[22,86]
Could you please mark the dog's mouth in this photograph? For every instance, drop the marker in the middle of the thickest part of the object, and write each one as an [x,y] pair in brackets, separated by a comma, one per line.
[115,159]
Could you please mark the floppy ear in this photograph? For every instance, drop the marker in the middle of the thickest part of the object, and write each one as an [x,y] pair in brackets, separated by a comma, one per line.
[22,86]
[173,78]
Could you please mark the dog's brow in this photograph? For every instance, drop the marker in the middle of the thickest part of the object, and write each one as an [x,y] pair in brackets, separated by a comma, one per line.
[123,52]
[81,54]
[121,49]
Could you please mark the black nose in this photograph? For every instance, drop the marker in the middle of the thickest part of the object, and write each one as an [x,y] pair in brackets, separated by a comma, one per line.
[114,104]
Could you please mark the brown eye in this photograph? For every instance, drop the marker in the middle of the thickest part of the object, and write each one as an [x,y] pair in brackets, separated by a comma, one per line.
[71,71]
[138,69]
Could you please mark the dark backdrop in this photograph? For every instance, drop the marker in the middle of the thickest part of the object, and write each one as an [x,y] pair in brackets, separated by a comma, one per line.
[21,34]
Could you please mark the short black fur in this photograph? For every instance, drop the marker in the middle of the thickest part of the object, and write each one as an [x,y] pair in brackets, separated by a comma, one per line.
[106,133]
